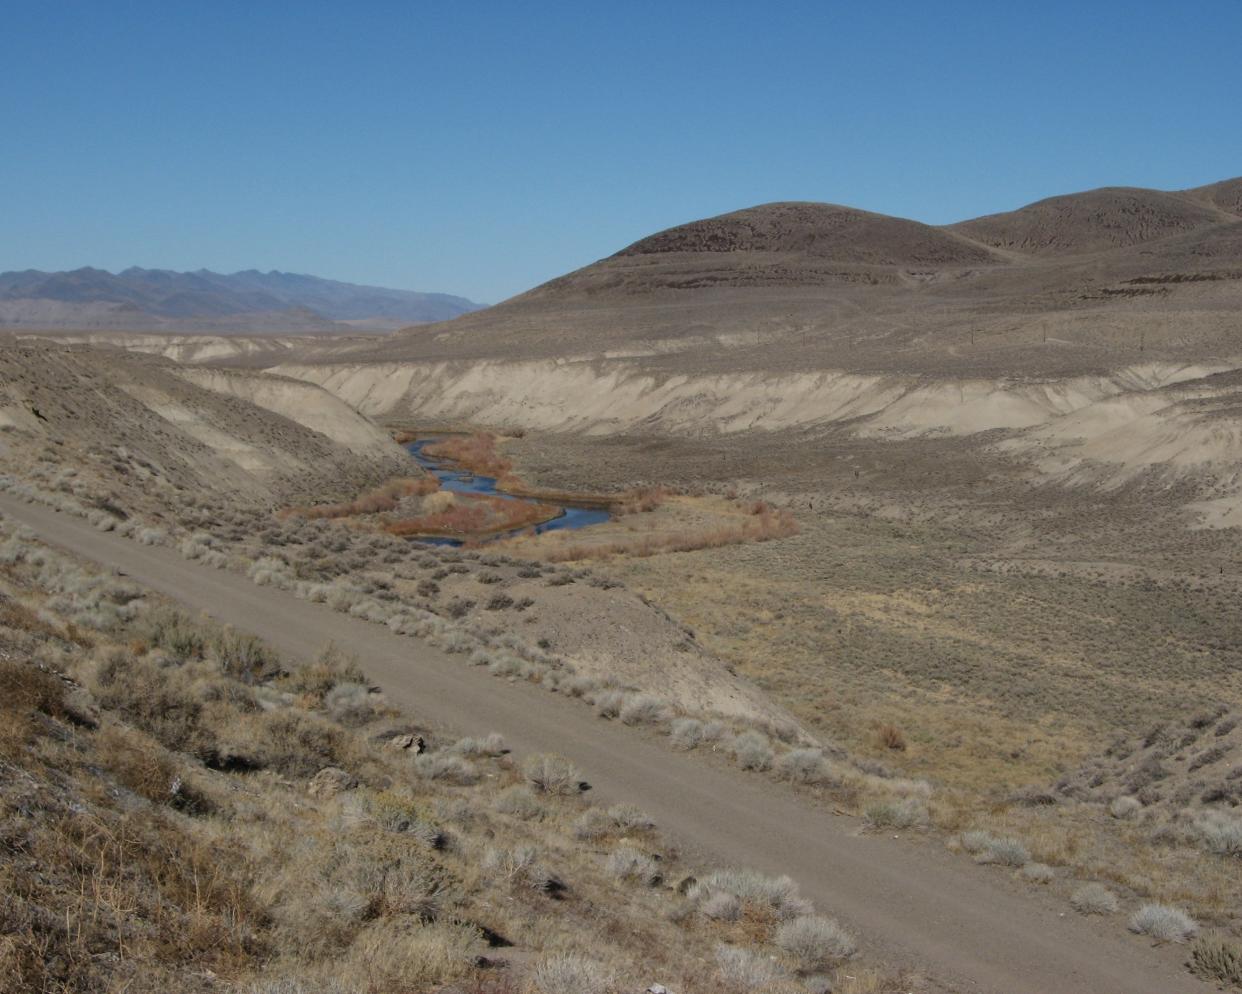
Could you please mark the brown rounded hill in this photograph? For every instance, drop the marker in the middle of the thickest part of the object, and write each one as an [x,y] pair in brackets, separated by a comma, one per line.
[1226,195]
[1098,220]
[1076,283]
[819,231]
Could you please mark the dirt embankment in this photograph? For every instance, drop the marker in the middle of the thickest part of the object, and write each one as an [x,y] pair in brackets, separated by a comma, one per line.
[142,429]
[605,398]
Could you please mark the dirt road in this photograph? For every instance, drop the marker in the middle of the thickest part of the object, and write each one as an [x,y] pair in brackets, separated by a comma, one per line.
[972,928]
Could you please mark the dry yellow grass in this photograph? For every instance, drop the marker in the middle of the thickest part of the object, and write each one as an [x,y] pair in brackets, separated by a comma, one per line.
[669,524]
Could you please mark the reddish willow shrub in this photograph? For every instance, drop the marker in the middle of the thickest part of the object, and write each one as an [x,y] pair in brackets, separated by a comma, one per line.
[476,514]
[382,498]
[476,453]
[641,500]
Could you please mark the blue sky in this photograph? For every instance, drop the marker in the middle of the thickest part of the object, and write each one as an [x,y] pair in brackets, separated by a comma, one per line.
[481,148]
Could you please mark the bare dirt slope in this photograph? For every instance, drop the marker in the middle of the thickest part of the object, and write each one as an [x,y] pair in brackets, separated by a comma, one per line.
[159,433]
[960,922]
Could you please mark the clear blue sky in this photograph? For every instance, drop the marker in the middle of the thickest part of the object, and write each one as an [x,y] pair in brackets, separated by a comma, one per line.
[481,148]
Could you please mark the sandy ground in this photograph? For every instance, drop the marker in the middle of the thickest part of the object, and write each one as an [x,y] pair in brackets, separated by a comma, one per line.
[967,926]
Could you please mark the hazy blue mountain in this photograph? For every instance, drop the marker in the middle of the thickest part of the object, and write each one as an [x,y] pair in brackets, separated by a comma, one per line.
[163,298]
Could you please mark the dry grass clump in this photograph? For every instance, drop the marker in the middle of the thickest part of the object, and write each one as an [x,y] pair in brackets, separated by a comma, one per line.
[1221,833]
[447,768]
[570,973]
[519,801]
[629,864]
[1217,959]
[383,498]
[891,737]
[26,692]
[900,813]
[1163,923]
[553,775]
[519,866]
[140,764]
[1094,899]
[1038,873]
[752,751]
[777,896]
[619,819]
[352,704]
[490,745]
[404,954]
[315,680]
[998,850]
[815,942]
[686,733]
[642,709]
[25,687]
[744,969]
[804,766]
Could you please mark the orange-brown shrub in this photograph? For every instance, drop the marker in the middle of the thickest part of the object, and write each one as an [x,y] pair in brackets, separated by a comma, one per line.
[640,500]
[476,453]
[891,737]
[476,514]
[382,498]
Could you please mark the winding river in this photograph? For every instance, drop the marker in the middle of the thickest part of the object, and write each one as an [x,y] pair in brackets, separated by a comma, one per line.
[462,481]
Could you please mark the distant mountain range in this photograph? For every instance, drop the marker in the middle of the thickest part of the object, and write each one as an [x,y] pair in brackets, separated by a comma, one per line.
[249,301]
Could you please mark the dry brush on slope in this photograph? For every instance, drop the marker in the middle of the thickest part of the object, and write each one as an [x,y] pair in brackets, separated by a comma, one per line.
[181,808]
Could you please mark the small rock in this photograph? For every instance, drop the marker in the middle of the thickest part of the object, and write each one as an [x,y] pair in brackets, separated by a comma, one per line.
[657,989]
[406,740]
[329,782]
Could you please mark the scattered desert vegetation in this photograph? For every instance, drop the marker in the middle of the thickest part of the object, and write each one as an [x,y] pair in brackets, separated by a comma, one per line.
[764,526]
[951,676]
[383,498]
[182,808]
[669,524]
[470,516]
